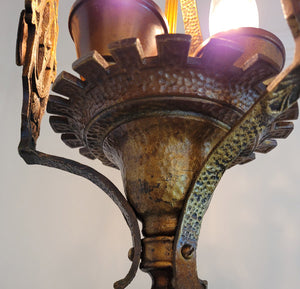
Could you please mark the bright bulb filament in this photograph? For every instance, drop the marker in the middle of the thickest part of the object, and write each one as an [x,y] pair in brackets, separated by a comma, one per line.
[232,14]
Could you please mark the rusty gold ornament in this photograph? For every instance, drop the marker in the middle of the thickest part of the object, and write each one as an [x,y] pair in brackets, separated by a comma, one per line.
[36,52]
[172,124]
[159,120]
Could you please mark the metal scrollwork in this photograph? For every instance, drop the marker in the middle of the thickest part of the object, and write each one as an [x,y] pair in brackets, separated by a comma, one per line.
[281,95]
[36,52]
[170,84]
[139,88]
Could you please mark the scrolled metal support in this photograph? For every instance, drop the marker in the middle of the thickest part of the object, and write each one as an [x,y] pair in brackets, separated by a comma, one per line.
[170,85]
[32,156]
[36,52]
[94,111]
[282,93]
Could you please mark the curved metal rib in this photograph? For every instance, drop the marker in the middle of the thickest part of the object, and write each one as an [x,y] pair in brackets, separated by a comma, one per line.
[36,52]
[35,157]
[282,93]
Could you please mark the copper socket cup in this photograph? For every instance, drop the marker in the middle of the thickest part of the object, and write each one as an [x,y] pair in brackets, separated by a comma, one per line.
[253,42]
[94,24]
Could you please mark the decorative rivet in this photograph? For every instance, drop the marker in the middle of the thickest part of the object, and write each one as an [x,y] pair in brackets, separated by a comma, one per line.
[187,251]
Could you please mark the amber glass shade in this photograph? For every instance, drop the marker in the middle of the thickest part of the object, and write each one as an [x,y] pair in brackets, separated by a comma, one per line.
[94,24]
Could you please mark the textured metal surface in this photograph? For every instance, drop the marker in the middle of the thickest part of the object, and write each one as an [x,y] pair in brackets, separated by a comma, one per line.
[157,157]
[36,52]
[191,23]
[150,117]
[281,95]
[128,114]
[137,86]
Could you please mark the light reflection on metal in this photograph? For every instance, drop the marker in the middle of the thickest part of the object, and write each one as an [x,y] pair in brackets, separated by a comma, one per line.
[191,23]
[171,123]
[94,24]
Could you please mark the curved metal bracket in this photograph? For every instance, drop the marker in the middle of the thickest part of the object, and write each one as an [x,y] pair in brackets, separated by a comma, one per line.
[32,156]
[36,52]
[282,93]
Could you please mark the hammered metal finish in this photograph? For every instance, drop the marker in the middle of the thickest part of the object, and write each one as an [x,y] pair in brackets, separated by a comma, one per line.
[159,121]
[191,23]
[117,93]
[158,157]
[171,123]
[282,95]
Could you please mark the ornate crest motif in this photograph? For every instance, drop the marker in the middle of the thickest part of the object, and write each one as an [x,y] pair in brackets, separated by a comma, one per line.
[36,52]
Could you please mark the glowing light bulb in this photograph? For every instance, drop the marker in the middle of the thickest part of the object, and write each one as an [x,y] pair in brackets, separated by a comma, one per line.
[231,14]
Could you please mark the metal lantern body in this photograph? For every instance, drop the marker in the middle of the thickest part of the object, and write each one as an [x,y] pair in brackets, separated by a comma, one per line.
[171,115]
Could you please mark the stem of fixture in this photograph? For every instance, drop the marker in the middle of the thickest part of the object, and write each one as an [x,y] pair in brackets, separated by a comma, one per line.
[191,23]
[171,11]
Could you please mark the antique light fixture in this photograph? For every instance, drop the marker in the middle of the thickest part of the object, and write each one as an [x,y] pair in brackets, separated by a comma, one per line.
[170,111]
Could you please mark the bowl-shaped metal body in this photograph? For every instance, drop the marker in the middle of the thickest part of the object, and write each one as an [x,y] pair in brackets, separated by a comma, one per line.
[158,119]
[94,24]
[159,157]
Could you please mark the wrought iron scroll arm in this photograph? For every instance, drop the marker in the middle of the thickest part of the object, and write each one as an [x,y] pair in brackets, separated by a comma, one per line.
[36,52]
[281,94]
[32,156]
